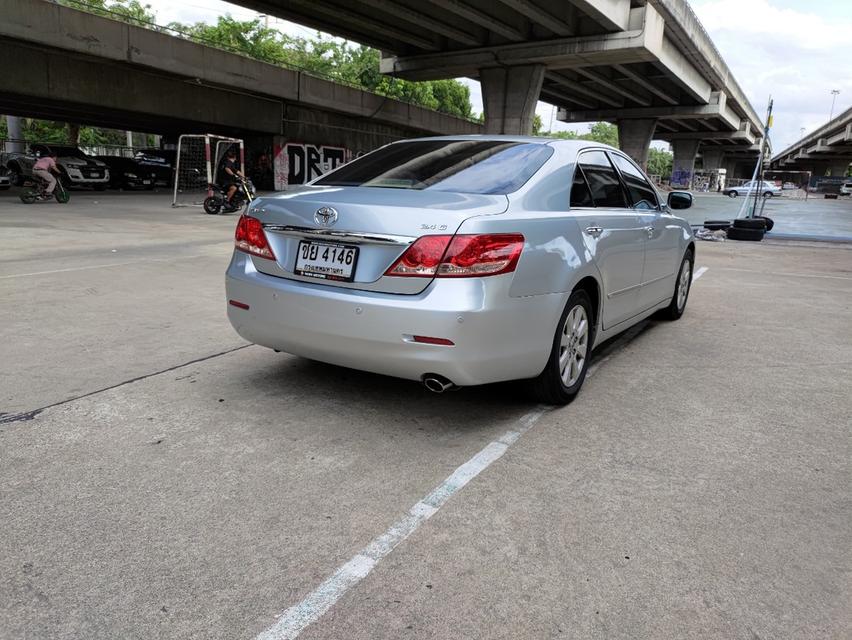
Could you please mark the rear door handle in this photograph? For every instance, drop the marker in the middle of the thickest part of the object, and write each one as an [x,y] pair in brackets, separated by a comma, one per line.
[594,231]
[650,231]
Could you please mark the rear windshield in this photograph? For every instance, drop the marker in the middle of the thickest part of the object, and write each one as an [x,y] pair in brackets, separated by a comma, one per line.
[462,166]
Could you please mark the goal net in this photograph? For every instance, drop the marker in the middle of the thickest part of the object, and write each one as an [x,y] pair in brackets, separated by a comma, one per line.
[197,163]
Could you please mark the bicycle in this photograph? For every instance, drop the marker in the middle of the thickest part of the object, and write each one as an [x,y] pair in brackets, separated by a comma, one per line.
[36,192]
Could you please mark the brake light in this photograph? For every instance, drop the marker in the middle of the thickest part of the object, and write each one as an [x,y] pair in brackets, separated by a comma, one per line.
[250,237]
[460,256]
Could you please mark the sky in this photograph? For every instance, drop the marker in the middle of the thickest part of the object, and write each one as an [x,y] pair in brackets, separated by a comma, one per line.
[797,51]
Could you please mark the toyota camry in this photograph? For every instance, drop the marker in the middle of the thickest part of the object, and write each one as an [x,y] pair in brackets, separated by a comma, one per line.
[462,261]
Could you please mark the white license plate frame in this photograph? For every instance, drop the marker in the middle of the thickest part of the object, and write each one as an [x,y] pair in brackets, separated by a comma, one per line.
[322,270]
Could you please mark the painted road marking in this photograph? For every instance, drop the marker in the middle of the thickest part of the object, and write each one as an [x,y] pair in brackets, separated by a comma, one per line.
[295,619]
[701,271]
[300,616]
[784,274]
[99,266]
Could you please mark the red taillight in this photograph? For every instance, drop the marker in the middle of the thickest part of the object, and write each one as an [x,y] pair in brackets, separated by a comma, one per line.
[430,340]
[249,237]
[460,256]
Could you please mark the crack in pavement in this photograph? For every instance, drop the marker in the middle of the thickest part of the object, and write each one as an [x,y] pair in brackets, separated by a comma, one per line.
[26,416]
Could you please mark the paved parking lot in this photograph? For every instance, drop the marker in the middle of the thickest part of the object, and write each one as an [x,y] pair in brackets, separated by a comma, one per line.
[161,478]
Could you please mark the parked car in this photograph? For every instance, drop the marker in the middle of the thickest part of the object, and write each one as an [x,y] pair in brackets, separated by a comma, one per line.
[128,173]
[765,188]
[5,179]
[161,162]
[846,189]
[462,261]
[75,167]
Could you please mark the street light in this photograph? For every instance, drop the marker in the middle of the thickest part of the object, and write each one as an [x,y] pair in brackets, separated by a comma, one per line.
[834,93]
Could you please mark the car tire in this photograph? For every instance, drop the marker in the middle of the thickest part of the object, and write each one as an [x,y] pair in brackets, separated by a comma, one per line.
[750,223]
[570,353]
[683,284]
[769,222]
[716,225]
[753,235]
[212,205]
[732,194]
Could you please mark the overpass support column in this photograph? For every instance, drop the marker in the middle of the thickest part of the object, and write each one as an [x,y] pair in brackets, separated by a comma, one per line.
[509,96]
[839,167]
[634,138]
[712,158]
[683,163]
[14,132]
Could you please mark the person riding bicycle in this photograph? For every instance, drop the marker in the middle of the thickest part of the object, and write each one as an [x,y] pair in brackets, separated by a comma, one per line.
[231,175]
[43,168]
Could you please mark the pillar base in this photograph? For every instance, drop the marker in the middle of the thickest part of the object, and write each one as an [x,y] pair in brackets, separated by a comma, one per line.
[509,97]
[683,164]
[634,138]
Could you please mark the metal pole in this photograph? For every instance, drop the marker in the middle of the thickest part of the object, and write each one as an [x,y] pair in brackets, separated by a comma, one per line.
[834,93]
[759,172]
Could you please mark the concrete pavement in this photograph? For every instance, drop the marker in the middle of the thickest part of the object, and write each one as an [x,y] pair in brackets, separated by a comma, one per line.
[698,487]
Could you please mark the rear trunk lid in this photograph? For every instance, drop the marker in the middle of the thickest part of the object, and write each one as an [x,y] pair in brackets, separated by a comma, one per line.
[380,223]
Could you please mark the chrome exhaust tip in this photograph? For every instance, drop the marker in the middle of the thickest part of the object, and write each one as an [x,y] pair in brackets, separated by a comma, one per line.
[436,383]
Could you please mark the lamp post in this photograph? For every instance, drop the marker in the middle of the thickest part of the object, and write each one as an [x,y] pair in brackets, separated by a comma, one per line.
[834,93]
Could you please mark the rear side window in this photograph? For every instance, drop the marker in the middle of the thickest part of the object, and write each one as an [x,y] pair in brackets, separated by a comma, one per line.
[462,166]
[642,194]
[581,196]
[603,180]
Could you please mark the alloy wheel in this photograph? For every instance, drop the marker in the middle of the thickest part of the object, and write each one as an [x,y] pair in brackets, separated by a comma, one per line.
[573,345]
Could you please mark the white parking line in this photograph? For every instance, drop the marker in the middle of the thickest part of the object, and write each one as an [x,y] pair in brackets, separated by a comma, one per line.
[98,266]
[295,619]
[298,617]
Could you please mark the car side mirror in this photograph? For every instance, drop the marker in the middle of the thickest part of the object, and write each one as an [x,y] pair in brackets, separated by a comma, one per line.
[680,200]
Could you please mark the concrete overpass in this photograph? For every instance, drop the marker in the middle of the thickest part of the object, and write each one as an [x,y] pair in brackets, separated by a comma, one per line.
[63,64]
[828,149]
[647,65]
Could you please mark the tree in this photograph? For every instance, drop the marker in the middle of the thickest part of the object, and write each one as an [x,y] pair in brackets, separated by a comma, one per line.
[604,132]
[659,163]
[131,11]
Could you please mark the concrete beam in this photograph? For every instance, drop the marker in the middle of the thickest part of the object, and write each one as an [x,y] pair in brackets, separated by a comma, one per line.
[540,16]
[646,84]
[403,12]
[482,18]
[583,89]
[716,108]
[740,137]
[634,138]
[612,15]
[609,84]
[509,96]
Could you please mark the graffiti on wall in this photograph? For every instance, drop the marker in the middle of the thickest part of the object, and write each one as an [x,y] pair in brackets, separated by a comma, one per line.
[681,179]
[297,163]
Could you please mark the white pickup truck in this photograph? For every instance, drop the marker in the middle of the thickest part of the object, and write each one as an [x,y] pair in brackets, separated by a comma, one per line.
[75,167]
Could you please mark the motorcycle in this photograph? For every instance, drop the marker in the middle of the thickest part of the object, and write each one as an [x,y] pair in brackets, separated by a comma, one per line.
[34,191]
[217,202]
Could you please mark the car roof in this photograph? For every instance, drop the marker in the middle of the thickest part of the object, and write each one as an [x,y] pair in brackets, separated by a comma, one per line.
[576,144]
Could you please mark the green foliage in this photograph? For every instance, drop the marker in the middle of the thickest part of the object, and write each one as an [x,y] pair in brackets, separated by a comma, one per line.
[603,132]
[659,163]
[329,58]
[131,11]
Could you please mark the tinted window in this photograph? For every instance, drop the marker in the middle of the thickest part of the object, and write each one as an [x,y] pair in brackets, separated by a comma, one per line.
[580,194]
[603,180]
[642,194]
[464,166]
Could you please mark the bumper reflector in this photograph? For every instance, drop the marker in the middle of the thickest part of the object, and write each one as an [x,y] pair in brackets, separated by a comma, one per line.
[238,304]
[428,340]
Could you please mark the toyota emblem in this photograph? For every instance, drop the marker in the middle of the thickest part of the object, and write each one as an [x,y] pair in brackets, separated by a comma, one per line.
[325,216]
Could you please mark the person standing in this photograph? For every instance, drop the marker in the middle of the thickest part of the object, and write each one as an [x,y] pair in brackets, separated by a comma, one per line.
[44,168]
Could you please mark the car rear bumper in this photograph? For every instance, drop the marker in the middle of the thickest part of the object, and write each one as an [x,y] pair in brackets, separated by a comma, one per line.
[495,337]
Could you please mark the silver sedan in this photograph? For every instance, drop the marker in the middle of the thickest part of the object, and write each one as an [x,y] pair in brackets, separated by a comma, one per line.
[462,261]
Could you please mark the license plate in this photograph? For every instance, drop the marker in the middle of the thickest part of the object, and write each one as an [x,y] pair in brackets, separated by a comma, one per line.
[146,182]
[326,261]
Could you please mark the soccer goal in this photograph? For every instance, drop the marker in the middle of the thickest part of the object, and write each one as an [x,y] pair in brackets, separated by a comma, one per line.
[197,162]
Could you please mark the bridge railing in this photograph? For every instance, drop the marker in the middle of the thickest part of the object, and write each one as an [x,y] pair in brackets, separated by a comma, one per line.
[180,33]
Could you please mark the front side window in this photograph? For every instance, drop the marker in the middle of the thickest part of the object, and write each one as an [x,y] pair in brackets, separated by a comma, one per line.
[603,181]
[642,194]
[462,166]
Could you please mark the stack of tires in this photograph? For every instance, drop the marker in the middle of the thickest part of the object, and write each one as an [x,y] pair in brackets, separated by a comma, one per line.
[750,228]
